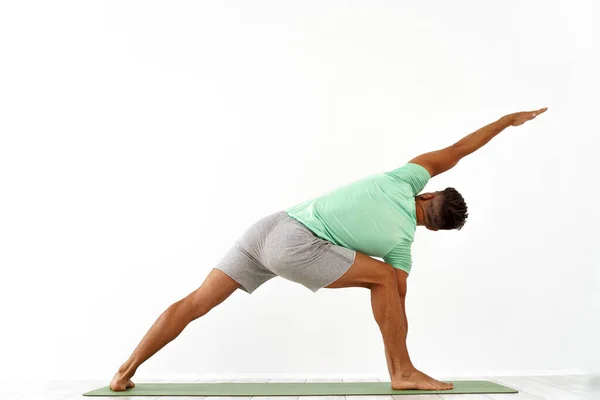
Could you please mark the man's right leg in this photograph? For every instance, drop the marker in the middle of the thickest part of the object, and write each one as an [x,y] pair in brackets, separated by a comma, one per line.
[380,278]
[215,289]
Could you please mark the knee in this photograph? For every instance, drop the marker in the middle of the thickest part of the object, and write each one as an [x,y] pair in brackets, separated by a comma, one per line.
[387,275]
[192,308]
[200,309]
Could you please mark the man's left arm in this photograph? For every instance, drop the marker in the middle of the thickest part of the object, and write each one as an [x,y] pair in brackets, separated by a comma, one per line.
[439,161]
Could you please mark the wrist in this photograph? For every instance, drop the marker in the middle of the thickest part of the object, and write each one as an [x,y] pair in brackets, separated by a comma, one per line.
[507,120]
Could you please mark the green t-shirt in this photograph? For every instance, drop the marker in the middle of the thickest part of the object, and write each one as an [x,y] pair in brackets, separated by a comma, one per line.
[375,215]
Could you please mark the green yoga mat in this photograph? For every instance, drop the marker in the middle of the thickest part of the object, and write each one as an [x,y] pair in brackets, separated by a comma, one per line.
[292,389]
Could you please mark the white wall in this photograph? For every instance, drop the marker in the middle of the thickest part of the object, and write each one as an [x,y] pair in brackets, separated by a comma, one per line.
[140,139]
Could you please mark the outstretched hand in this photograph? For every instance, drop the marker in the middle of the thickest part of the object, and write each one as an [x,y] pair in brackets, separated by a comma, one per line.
[520,118]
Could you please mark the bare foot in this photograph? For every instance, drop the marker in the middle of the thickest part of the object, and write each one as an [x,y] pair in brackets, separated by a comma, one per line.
[121,382]
[418,380]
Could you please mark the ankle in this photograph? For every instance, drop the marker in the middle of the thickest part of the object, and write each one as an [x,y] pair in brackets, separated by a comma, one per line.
[404,372]
[127,370]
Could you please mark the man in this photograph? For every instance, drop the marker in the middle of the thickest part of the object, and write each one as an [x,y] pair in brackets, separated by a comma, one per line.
[326,243]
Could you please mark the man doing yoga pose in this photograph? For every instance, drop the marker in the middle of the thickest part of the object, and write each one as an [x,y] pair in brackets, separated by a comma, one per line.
[329,242]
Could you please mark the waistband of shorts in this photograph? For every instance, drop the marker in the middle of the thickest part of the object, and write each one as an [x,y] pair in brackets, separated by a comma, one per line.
[291,218]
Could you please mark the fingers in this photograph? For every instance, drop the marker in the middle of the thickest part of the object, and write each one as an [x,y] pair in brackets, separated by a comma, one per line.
[538,112]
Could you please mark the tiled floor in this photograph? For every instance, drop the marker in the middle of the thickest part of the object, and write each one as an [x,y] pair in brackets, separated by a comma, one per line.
[569,387]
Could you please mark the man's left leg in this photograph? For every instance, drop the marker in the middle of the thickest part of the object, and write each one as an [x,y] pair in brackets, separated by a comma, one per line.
[216,288]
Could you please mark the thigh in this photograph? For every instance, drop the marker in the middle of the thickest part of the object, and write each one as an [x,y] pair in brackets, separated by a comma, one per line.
[215,289]
[244,269]
[295,253]
[364,272]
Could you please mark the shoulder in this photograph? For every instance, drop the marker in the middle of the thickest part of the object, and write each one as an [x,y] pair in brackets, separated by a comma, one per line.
[410,171]
[415,175]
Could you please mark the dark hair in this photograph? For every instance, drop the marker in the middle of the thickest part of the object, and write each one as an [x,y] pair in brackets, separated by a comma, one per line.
[450,211]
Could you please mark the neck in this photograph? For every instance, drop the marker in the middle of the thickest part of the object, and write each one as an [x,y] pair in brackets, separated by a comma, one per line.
[420,213]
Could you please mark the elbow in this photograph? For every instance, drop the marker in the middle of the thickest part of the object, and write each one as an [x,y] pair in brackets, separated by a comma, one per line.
[459,151]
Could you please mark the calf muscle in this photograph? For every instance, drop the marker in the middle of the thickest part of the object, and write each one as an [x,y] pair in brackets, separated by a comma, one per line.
[381,279]
[390,317]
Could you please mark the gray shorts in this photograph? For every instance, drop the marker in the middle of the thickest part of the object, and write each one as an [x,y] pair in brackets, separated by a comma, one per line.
[278,245]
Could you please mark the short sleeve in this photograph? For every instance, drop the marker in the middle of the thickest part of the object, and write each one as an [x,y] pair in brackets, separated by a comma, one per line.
[415,175]
[400,257]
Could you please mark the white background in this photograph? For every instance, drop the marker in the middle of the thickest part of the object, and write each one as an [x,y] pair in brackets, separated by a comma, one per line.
[140,139]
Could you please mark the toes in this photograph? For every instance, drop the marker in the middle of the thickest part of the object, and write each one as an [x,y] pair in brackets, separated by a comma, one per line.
[434,383]
[440,385]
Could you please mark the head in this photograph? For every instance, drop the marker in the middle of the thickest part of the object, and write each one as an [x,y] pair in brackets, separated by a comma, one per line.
[441,210]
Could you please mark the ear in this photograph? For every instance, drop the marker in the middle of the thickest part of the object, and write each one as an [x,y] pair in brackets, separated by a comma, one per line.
[427,196]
